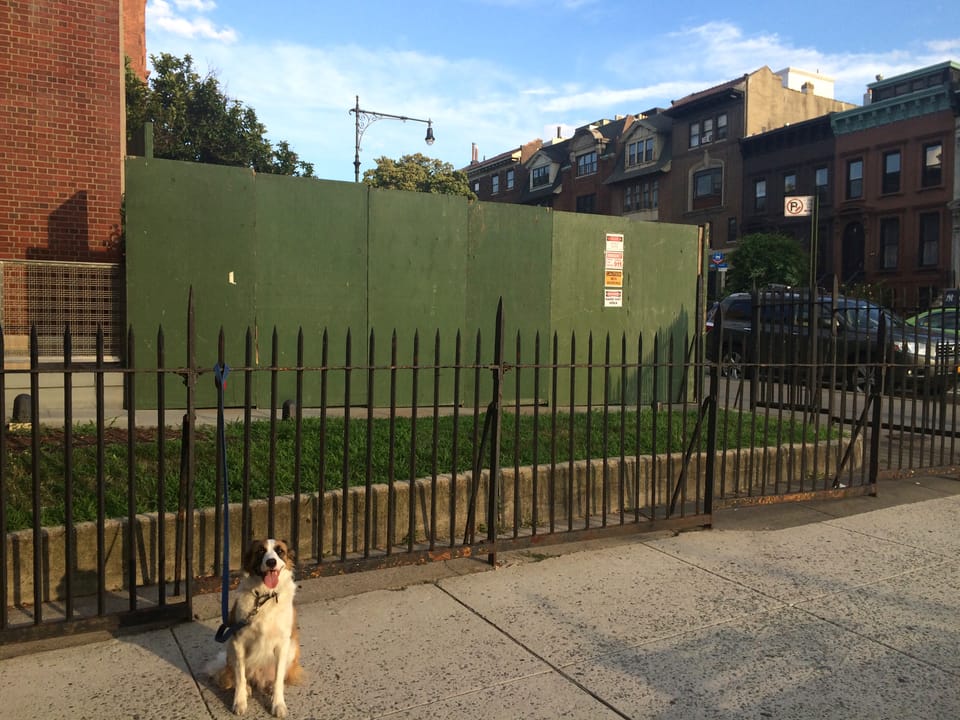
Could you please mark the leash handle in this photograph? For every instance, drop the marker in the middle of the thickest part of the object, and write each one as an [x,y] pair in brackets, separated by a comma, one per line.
[220,372]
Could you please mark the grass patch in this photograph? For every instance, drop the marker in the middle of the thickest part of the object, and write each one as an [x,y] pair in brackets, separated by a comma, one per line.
[734,429]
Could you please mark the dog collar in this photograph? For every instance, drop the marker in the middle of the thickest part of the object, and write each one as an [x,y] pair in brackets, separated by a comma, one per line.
[262,600]
[226,631]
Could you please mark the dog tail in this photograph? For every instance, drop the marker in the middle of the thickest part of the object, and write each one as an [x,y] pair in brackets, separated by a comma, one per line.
[294,675]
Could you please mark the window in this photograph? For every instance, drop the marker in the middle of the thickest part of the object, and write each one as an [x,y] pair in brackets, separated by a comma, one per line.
[854,179]
[476,187]
[891,172]
[708,130]
[587,164]
[760,195]
[707,188]
[889,243]
[731,230]
[789,183]
[932,164]
[540,176]
[511,177]
[494,184]
[586,203]
[640,152]
[645,196]
[655,194]
[929,239]
[821,179]
[631,198]
[707,134]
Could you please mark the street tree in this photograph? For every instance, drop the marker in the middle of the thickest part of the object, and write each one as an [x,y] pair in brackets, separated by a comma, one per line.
[766,258]
[418,173]
[194,120]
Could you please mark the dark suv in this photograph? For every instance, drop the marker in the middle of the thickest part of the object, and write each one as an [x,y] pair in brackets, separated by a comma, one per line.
[848,330]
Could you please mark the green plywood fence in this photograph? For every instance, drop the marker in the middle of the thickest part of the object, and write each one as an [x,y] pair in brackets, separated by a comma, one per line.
[277,256]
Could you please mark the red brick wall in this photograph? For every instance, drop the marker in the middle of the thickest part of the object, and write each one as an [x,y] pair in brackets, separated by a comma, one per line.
[61,143]
[134,35]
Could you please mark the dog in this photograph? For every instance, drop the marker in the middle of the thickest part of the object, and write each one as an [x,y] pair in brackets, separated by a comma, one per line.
[264,649]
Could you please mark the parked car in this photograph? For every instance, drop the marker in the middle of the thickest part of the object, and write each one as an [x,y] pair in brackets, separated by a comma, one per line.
[939,321]
[848,331]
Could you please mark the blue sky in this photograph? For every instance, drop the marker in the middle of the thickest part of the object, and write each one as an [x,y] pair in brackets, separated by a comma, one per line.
[499,73]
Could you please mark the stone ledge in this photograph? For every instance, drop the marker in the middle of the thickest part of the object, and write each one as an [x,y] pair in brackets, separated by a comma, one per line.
[736,472]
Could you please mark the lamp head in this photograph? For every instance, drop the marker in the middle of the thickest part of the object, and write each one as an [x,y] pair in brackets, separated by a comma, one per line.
[429,138]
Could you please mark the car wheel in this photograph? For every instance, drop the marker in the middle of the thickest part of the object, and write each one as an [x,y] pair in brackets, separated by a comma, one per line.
[731,365]
[862,376]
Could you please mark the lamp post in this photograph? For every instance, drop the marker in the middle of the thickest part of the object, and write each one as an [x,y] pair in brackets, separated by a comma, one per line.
[364,118]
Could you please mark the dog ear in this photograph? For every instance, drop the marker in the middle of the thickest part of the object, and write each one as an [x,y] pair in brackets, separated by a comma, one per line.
[290,553]
[253,547]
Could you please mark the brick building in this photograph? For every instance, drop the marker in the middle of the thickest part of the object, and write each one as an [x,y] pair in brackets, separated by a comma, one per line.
[706,171]
[61,163]
[896,177]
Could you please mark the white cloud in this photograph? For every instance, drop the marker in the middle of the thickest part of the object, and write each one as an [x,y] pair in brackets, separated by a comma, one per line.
[303,93]
[199,5]
[162,16]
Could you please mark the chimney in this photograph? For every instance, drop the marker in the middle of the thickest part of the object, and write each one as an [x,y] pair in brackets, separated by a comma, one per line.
[473,153]
[558,132]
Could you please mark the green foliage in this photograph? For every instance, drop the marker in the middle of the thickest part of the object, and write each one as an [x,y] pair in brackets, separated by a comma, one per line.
[418,173]
[765,258]
[193,120]
[517,445]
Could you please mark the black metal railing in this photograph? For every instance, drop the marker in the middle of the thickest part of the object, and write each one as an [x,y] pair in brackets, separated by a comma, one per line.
[112,515]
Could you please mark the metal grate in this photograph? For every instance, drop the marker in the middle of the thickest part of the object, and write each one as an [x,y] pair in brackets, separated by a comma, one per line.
[52,295]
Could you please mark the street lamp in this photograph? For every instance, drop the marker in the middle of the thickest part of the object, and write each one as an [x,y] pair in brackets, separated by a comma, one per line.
[365,118]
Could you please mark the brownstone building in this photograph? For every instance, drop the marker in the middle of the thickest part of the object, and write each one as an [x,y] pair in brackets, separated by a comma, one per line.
[501,178]
[795,160]
[706,165]
[638,183]
[895,181]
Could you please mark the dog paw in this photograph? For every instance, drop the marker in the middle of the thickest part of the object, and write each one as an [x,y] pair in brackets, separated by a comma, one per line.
[240,703]
[279,709]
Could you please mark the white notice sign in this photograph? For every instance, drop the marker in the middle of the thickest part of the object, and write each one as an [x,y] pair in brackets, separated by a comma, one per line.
[615,242]
[798,206]
[612,298]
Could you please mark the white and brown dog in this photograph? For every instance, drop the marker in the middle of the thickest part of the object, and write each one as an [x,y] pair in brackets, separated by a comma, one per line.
[264,649]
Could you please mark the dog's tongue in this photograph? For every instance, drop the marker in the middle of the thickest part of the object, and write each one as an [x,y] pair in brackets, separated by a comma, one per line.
[271,579]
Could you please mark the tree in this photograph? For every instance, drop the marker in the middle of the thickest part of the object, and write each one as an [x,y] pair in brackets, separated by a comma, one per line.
[193,120]
[419,173]
[764,258]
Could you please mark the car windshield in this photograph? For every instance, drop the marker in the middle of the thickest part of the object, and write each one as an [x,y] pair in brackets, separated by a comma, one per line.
[946,319]
[867,317]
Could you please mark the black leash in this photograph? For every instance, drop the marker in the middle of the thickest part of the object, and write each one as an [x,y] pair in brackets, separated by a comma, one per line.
[220,373]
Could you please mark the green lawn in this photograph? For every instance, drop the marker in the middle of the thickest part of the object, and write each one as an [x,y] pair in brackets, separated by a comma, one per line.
[741,431]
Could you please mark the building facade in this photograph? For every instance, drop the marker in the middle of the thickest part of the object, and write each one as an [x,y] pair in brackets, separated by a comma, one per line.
[883,176]
[61,169]
[793,161]
[501,178]
[706,174]
[895,165]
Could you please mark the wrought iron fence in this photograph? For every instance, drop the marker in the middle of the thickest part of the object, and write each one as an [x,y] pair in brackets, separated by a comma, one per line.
[459,448]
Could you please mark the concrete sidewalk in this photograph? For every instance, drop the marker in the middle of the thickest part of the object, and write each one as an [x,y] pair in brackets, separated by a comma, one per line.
[831,609]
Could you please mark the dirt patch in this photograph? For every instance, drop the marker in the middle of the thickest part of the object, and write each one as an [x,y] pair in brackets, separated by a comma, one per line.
[22,440]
